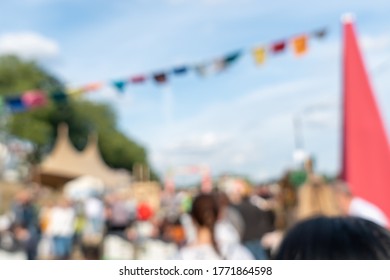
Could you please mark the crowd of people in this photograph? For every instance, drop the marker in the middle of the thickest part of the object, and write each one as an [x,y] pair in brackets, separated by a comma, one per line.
[318,220]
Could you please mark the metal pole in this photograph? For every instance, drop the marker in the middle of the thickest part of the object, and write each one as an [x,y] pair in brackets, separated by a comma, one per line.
[298,132]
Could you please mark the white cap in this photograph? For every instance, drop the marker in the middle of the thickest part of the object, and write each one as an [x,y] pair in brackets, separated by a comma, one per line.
[348,18]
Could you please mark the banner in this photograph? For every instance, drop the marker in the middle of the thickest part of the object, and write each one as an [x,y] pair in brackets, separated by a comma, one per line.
[217,65]
[299,44]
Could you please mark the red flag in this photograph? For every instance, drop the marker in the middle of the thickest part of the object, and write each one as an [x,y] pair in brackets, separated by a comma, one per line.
[278,47]
[366,151]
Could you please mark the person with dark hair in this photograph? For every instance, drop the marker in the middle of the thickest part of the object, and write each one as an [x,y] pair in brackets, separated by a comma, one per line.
[204,214]
[338,238]
[26,223]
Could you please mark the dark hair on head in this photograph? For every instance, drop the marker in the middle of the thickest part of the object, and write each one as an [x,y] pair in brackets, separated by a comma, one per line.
[341,238]
[204,211]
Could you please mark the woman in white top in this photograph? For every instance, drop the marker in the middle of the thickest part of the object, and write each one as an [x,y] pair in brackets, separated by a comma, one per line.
[204,214]
[62,229]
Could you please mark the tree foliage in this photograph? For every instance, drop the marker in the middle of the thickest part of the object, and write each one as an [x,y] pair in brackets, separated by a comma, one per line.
[83,117]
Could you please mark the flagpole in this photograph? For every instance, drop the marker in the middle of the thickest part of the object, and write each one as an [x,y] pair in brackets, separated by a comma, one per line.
[298,133]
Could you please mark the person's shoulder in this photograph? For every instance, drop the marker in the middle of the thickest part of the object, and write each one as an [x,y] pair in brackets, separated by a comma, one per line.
[198,252]
[360,204]
[187,253]
[367,210]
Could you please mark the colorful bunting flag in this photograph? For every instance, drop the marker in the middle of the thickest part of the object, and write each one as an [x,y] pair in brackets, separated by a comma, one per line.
[319,34]
[180,70]
[34,98]
[59,97]
[278,47]
[120,85]
[15,104]
[92,87]
[138,79]
[217,66]
[260,55]
[300,45]
[222,64]
[75,92]
[202,69]
[232,57]
[160,78]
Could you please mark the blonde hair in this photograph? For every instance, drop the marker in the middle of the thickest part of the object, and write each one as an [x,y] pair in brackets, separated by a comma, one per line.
[315,198]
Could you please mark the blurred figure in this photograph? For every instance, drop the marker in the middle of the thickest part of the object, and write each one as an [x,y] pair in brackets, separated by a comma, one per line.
[188,227]
[45,219]
[339,238]
[315,198]
[204,213]
[145,228]
[287,201]
[117,215]
[226,235]
[268,199]
[26,223]
[351,205]
[94,214]
[233,197]
[62,228]
[80,224]
[257,222]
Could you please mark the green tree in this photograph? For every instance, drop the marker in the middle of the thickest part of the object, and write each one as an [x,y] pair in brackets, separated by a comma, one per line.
[83,117]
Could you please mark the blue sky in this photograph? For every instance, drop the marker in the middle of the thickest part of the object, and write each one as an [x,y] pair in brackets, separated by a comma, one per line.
[238,121]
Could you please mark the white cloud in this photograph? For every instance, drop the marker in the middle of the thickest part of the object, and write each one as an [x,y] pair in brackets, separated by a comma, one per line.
[198,143]
[29,45]
[376,43]
[204,2]
[248,142]
[46,2]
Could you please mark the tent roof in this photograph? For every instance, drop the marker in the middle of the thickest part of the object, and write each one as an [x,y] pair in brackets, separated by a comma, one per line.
[66,161]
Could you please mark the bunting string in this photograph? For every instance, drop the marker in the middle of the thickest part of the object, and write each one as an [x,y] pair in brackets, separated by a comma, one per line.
[261,53]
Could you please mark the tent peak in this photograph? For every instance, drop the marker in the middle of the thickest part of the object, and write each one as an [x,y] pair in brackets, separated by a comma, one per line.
[348,18]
